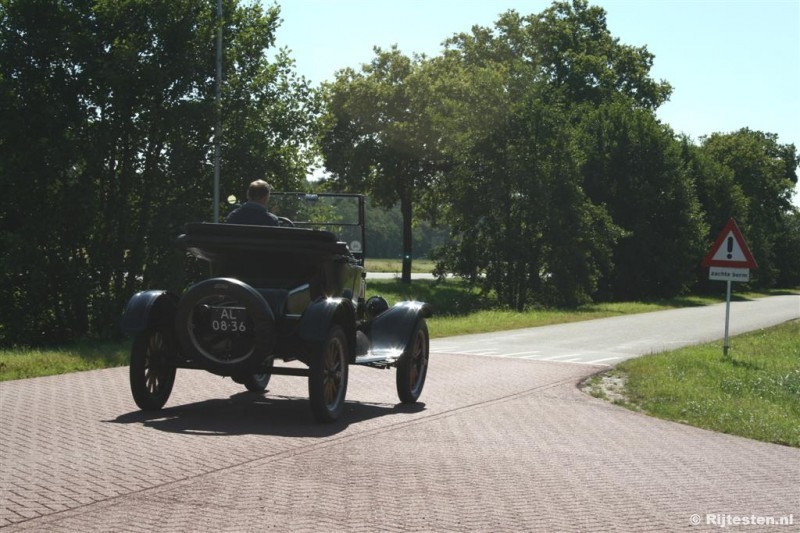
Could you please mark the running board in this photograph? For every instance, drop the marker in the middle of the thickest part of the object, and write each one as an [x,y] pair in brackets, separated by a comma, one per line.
[380,360]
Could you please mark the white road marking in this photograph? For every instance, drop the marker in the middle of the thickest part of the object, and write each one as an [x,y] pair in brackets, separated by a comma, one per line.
[606,359]
[527,353]
[553,357]
[571,358]
[465,352]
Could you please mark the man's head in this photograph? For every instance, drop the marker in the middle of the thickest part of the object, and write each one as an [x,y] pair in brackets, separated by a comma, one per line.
[258,191]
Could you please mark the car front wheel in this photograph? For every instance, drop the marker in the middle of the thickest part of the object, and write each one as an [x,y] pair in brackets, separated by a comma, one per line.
[413,365]
[327,379]
[151,376]
[256,382]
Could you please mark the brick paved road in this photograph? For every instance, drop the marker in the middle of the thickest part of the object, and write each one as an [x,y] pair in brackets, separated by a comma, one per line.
[500,445]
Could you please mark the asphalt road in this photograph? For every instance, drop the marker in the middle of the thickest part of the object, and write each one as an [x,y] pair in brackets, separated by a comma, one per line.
[496,444]
[611,340]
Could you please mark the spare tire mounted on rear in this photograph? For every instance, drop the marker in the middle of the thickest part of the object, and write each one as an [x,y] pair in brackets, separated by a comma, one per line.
[225,325]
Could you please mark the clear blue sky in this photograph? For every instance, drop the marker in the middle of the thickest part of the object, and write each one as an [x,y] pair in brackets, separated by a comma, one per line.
[732,64]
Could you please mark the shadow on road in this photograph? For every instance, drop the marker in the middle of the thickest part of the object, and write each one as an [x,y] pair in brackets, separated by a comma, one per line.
[249,413]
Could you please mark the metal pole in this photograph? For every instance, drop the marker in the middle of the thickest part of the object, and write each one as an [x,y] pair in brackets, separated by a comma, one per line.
[218,110]
[727,319]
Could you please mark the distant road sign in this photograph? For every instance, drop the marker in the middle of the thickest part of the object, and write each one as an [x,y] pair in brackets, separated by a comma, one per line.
[729,260]
[730,250]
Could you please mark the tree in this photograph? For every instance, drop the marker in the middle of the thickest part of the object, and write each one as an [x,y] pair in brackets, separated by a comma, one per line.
[42,213]
[516,108]
[105,146]
[378,138]
[787,251]
[720,198]
[634,168]
[578,57]
[269,111]
[766,173]
[385,232]
[523,227]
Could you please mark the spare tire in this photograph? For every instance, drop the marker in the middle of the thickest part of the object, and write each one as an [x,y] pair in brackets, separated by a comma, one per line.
[226,326]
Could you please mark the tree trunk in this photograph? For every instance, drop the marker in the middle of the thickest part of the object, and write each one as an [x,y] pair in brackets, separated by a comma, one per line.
[406,210]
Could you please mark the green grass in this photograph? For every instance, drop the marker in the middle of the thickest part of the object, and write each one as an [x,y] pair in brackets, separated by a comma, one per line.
[21,363]
[419,266]
[754,393]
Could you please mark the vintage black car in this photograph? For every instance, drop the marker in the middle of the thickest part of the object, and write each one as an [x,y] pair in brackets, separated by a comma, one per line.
[295,292]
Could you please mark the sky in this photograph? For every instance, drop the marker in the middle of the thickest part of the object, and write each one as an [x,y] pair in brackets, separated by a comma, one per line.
[731,64]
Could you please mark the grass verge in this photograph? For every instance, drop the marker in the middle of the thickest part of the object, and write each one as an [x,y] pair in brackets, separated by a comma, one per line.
[754,392]
[24,363]
[419,266]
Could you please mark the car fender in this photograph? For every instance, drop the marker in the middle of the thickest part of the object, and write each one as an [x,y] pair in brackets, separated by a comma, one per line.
[391,330]
[322,314]
[148,308]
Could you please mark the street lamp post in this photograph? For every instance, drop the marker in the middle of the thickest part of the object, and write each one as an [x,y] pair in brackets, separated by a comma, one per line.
[218,109]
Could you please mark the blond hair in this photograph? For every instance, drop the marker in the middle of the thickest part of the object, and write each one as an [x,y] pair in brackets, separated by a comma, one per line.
[258,190]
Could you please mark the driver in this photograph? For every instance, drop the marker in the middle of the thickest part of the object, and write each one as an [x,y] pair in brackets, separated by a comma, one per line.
[254,211]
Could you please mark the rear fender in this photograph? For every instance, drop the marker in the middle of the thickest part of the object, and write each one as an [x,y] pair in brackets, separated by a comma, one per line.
[149,308]
[391,331]
[321,315]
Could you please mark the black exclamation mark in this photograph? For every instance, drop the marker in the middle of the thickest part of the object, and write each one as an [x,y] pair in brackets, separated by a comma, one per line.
[730,247]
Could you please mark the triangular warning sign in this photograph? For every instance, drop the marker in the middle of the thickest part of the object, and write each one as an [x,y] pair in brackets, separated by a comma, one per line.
[730,250]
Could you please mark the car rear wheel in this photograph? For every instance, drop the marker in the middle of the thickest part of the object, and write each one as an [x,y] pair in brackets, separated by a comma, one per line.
[412,368]
[151,376]
[327,379]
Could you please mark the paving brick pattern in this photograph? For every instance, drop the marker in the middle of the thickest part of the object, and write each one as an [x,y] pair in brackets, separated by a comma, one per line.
[499,445]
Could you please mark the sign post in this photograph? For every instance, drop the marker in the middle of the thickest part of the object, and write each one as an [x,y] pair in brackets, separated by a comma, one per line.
[729,260]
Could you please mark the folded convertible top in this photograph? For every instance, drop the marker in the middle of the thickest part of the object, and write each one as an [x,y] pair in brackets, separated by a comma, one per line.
[209,241]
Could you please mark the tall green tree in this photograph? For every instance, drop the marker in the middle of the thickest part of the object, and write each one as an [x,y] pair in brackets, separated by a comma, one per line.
[787,250]
[720,198]
[269,111]
[577,56]
[378,138]
[766,173]
[634,168]
[44,204]
[105,143]
[520,93]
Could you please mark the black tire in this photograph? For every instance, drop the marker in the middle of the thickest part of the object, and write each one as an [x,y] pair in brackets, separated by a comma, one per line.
[412,368]
[151,376]
[256,382]
[225,353]
[327,378]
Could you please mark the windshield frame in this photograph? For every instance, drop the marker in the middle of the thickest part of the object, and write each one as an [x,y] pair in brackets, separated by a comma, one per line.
[358,251]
